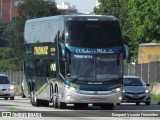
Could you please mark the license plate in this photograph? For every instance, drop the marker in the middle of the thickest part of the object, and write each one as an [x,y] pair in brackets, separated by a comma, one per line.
[95,99]
[135,97]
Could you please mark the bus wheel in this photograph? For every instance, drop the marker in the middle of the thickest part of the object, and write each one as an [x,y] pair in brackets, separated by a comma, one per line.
[34,100]
[51,93]
[61,105]
[107,106]
[45,103]
[55,101]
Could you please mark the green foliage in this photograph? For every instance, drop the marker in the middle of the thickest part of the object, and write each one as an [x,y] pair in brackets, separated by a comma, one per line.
[3,42]
[6,53]
[145,20]
[8,64]
[36,8]
[140,20]
[155,96]
[12,33]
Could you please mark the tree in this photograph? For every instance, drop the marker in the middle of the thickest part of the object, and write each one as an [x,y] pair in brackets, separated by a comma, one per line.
[145,20]
[119,9]
[36,8]
[139,20]
[14,30]
[3,42]
[108,7]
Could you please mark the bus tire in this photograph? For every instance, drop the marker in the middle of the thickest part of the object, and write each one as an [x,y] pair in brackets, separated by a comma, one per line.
[61,105]
[55,97]
[55,101]
[45,103]
[51,93]
[22,93]
[34,100]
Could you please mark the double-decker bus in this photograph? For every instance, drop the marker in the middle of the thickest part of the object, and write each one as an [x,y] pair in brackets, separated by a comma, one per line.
[73,59]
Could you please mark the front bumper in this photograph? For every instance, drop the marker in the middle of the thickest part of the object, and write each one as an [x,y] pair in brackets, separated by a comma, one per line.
[5,93]
[90,97]
[145,97]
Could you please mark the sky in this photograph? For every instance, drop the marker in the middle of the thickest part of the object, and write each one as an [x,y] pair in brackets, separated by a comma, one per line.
[81,5]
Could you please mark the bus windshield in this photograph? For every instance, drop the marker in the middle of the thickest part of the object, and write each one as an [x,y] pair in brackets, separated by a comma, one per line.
[93,34]
[95,67]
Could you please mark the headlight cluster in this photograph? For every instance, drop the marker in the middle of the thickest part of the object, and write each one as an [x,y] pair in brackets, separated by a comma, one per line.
[11,87]
[147,91]
[71,88]
[117,89]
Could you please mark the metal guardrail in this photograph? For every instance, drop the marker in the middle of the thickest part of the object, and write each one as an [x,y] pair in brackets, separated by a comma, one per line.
[150,73]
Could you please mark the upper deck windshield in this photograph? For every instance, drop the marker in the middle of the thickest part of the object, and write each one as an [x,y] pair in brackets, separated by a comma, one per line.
[93,34]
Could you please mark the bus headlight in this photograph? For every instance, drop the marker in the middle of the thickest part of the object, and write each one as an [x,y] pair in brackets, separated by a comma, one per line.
[117,90]
[72,88]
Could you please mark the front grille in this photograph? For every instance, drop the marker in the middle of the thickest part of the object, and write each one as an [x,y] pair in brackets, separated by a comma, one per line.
[148,98]
[133,93]
[135,98]
[5,95]
[4,89]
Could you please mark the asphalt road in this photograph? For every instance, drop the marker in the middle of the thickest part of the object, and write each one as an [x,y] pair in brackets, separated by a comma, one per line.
[23,109]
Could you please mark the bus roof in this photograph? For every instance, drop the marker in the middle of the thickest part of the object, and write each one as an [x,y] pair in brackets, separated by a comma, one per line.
[74,17]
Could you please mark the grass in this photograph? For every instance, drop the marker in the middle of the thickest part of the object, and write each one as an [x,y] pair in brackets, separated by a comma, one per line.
[155,96]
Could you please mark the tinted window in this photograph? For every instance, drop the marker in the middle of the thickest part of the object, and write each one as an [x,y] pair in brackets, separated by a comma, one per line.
[95,34]
[4,80]
[39,68]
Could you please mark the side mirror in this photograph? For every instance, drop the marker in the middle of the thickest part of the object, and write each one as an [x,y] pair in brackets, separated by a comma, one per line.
[127,53]
[147,84]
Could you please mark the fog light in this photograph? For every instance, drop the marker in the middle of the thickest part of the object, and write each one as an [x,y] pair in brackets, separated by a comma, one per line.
[120,98]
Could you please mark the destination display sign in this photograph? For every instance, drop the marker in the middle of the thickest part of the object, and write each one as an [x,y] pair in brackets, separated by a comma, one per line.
[40,50]
[94,50]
